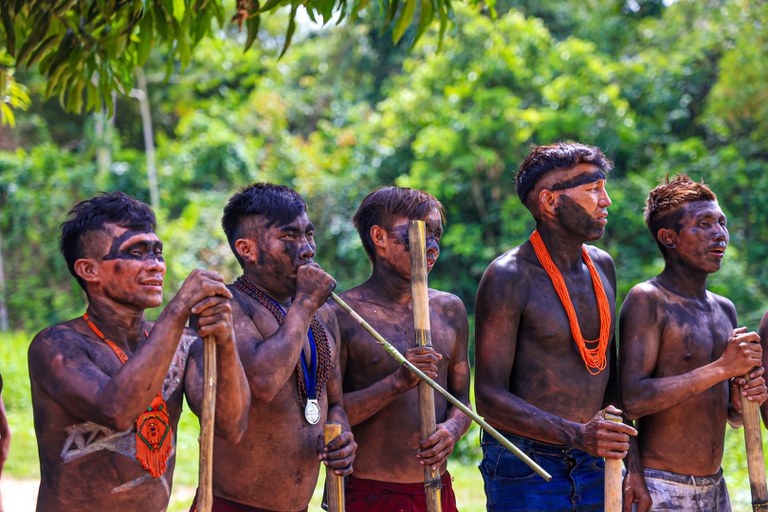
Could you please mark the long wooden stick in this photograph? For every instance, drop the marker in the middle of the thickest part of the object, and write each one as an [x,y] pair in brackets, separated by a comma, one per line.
[421,326]
[437,387]
[613,477]
[205,498]
[754,447]
[334,484]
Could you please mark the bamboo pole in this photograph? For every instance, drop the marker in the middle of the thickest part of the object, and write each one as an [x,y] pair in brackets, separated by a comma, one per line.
[208,413]
[613,477]
[437,387]
[754,447]
[421,326]
[334,484]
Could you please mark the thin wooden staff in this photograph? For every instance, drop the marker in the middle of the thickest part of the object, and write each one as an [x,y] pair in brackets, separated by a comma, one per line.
[207,417]
[421,325]
[613,478]
[437,387]
[755,460]
[334,484]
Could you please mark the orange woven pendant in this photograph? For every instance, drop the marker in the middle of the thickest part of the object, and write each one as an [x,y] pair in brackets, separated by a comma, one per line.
[153,437]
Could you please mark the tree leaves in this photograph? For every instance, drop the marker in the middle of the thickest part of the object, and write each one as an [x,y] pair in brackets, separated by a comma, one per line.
[117,36]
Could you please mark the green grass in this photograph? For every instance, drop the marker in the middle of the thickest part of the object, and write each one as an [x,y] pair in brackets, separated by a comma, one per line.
[468,486]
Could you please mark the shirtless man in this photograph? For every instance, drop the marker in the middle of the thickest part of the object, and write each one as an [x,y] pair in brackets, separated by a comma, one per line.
[287,340]
[380,395]
[538,380]
[679,347]
[107,386]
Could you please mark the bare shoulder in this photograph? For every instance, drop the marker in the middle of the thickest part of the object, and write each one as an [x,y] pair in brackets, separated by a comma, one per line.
[446,300]
[511,265]
[643,295]
[602,260]
[58,339]
[327,316]
[726,305]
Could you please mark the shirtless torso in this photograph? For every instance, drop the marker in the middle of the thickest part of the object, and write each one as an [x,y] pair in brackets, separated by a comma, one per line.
[379,395]
[680,433]
[279,448]
[97,461]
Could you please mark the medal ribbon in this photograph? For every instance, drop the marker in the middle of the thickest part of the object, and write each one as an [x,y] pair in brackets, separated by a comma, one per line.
[310,383]
[154,434]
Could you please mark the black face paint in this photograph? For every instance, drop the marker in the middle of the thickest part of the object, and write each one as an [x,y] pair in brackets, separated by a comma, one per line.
[581,179]
[401,236]
[140,251]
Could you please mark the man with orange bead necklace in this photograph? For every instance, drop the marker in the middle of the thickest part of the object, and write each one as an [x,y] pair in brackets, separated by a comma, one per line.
[544,342]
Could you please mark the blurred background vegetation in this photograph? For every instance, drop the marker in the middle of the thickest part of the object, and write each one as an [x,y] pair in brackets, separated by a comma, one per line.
[663,87]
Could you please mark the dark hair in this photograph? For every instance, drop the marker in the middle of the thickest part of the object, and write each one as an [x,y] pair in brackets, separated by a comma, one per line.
[89,217]
[561,155]
[383,205]
[277,203]
[663,207]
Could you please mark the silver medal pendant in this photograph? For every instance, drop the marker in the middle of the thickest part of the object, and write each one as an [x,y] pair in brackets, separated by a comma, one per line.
[312,411]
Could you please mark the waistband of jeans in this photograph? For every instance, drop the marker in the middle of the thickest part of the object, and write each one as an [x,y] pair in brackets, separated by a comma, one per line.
[684,479]
[523,442]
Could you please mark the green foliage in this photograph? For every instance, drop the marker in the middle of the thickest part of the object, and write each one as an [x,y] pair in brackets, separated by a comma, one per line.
[88,51]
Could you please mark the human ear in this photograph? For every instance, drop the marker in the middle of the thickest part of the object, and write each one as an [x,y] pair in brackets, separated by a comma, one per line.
[87,269]
[246,249]
[666,237]
[378,236]
[547,202]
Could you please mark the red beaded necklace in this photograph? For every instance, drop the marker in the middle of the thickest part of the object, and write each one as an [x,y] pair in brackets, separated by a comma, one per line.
[594,358]
[154,435]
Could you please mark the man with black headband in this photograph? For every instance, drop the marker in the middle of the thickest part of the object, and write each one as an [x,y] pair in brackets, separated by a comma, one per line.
[287,339]
[108,386]
[544,341]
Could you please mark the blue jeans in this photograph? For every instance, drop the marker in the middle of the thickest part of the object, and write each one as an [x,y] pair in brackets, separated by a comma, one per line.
[578,479]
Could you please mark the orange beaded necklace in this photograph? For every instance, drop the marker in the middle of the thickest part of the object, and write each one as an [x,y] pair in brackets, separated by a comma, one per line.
[594,358]
[153,427]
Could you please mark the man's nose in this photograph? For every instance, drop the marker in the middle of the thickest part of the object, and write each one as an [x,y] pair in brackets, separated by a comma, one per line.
[307,251]
[605,199]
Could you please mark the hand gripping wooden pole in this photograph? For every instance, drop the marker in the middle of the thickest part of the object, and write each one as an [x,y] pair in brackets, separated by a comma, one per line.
[334,484]
[437,387]
[421,325]
[755,459]
[208,414]
[613,477]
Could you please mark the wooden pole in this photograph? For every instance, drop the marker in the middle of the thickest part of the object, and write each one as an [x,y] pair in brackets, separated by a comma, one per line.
[421,325]
[334,484]
[437,387]
[613,477]
[208,413]
[754,448]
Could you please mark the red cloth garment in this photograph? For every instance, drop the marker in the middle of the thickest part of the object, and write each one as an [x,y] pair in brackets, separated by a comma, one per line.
[363,495]
[222,505]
